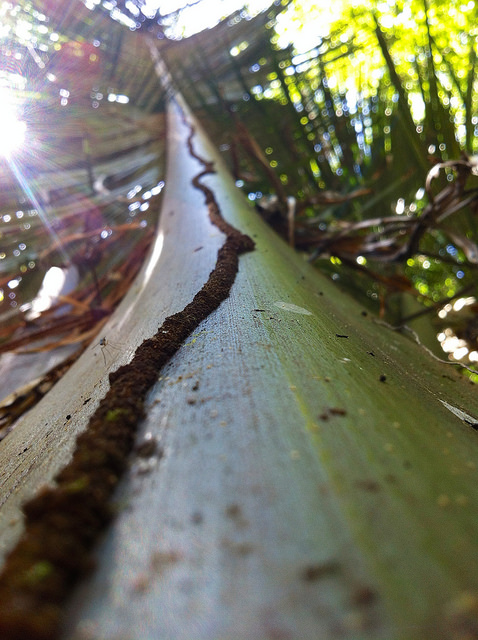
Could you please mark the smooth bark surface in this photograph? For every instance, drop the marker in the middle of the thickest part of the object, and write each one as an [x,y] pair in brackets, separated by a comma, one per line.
[307,480]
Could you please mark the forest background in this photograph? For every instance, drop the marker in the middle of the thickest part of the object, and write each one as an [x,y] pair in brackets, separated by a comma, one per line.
[352,130]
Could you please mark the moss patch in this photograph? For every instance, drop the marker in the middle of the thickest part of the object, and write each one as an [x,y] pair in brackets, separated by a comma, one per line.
[62,523]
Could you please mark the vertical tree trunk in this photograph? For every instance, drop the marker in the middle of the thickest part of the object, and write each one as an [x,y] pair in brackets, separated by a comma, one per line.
[301,472]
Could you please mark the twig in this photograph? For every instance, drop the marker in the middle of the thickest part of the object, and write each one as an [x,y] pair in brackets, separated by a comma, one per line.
[420,344]
[437,305]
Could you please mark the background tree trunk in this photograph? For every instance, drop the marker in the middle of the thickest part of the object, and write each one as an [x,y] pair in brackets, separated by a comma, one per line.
[314,475]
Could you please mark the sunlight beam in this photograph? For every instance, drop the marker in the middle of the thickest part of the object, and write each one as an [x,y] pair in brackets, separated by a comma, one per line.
[41,211]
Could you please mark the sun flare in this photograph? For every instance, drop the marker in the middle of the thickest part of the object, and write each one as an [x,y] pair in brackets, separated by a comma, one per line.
[12,128]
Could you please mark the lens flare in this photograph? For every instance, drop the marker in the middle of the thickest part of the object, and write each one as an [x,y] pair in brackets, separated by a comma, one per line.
[12,128]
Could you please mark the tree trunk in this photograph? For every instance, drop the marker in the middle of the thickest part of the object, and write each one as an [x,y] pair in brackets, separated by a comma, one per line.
[314,474]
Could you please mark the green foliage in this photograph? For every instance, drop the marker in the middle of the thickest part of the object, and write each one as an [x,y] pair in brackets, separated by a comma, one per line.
[384,92]
[339,111]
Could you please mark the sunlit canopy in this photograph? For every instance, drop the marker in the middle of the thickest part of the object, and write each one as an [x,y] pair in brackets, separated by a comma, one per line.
[197,16]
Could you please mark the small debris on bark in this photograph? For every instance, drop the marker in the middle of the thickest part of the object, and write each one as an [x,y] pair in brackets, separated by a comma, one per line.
[313,572]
